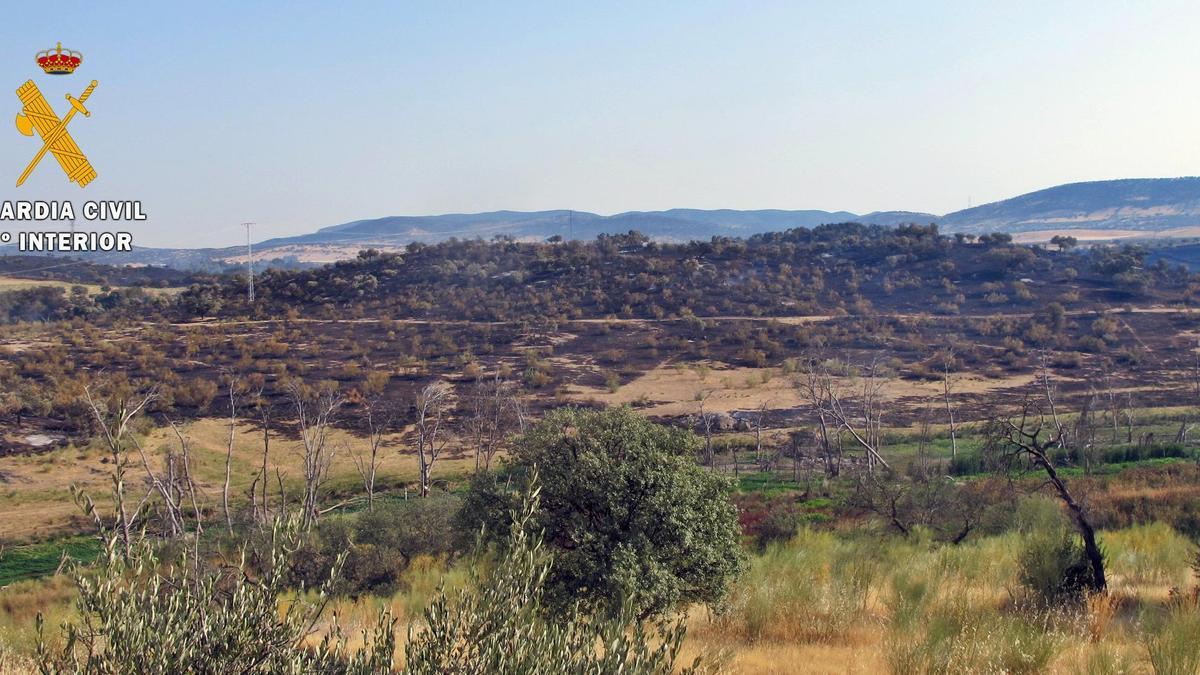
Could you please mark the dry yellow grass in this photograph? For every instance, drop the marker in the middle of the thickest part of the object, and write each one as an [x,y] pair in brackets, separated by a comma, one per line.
[674,390]
[802,636]
[35,495]
[15,284]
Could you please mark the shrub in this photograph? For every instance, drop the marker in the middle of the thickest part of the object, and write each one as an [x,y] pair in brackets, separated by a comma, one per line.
[377,545]
[1174,648]
[1051,563]
[627,511]
[142,615]
[499,624]
[814,588]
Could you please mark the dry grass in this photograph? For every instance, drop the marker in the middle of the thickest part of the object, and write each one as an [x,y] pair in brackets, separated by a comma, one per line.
[675,389]
[829,603]
[35,496]
[15,284]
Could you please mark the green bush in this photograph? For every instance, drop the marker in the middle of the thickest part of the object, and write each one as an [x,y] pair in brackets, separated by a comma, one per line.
[1051,563]
[141,615]
[500,624]
[377,545]
[626,510]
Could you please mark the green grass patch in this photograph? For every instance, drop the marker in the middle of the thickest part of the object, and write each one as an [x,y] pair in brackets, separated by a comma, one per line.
[766,483]
[40,560]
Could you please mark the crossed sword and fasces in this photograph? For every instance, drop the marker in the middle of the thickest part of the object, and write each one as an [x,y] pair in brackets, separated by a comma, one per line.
[40,116]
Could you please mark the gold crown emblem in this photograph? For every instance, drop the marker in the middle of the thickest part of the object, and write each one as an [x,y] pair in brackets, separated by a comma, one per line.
[59,61]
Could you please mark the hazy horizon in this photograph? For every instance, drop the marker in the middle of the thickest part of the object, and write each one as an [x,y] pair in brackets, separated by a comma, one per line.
[300,119]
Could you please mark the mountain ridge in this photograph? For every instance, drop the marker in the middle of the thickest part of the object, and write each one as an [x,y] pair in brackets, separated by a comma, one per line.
[1127,207]
[1140,204]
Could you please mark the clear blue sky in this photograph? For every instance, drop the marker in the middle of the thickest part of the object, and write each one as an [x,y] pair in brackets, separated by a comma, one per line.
[300,115]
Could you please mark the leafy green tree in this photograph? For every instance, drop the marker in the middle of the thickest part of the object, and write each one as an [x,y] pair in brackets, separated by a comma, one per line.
[630,516]
[498,623]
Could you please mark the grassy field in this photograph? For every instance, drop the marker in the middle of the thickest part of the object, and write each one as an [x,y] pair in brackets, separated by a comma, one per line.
[35,494]
[846,597]
[17,284]
[838,603]
[39,560]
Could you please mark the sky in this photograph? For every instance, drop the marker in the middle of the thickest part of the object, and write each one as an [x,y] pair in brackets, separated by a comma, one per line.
[300,115]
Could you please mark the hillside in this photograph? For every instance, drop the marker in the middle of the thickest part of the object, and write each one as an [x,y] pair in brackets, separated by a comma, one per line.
[1142,204]
[1128,208]
[830,269]
[1136,204]
[673,224]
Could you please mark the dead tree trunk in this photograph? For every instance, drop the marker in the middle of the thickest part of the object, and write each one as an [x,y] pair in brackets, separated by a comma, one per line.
[314,417]
[229,454]
[946,391]
[431,405]
[1028,444]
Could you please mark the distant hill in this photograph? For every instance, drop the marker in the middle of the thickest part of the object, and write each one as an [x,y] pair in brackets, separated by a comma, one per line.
[1164,207]
[1135,204]
[1142,204]
[675,224]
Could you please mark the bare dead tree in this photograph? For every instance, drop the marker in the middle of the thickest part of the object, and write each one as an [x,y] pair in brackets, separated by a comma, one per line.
[265,412]
[115,420]
[925,437]
[1107,378]
[813,387]
[1194,382]
[933,501]
[766,462]
[315,414]
[379,424]
[1048,392]
[1081,436]
[189,485]
[166,487]
[827,396]
[1127,411]
[758,427]
[496,412]
[707,419]
[233,400]
[794,440]
[1022,440]
[432,405]
[947,358]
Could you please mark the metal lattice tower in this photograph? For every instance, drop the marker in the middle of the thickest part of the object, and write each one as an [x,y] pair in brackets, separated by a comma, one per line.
[249,265]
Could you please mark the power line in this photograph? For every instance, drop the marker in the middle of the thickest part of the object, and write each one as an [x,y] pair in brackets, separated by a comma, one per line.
[249,265]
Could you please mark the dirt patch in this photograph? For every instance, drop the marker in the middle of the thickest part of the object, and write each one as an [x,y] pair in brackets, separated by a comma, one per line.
[671,391]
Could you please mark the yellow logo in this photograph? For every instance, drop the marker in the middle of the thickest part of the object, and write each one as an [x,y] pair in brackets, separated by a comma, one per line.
[39,116]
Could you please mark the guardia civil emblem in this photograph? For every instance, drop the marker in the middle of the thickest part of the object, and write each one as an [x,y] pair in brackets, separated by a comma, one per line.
[38,117]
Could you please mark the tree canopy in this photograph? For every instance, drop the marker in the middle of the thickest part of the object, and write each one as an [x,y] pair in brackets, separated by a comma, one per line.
[629,515]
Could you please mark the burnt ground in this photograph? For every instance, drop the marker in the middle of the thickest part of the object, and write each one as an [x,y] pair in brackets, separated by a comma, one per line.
[1146,355]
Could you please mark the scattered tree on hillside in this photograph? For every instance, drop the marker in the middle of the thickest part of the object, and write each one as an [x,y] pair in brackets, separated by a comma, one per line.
[1063,242]
[432,404]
